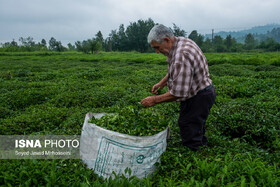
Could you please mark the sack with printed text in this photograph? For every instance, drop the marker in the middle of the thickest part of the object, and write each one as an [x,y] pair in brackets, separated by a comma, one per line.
[106,151]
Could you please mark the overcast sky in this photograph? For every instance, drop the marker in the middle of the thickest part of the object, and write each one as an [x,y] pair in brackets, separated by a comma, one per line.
[73,20]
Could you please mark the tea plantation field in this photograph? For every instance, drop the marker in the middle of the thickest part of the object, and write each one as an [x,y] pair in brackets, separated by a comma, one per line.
[50,93]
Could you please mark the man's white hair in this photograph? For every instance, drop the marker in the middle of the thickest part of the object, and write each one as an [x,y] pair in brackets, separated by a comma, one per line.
[158,33]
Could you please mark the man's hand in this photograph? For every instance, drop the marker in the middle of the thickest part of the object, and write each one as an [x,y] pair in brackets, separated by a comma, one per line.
[149,101]
[156,88]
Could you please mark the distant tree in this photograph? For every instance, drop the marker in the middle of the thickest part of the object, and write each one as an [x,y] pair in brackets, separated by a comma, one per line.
[250,41]
[193,35]
[123,40]
[79,46]
[228,42]
[6,45]
[14,43]
[133,32]
[178,32]
[134,37]
[197,38]
[97,47]
[56,45]
[117,40]
[44,43]
[219,44]
[85,46]
[237,47]
[27,42]
[114,41]
[99,38]
[70,47]
[262,45]
[108,44]
[269,45]
[275,34]
[52,44]
[90,45]
[207,46]
[137,33]
[94,45]
[60,47]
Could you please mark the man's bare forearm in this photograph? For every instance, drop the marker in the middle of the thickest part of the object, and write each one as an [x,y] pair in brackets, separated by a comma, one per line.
[163,82]
[167,97]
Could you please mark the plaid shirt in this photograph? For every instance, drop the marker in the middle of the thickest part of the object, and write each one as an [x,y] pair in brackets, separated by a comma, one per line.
[188,69]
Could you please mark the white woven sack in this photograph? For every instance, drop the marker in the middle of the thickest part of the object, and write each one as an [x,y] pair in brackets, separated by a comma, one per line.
[106,151]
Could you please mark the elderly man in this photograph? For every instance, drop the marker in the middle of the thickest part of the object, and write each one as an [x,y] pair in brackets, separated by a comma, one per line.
[188,82]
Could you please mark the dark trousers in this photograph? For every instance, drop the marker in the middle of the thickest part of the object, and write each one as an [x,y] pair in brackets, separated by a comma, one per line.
[193,115]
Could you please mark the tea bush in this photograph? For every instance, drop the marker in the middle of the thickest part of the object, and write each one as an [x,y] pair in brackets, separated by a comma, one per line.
[50,93]
[251,120]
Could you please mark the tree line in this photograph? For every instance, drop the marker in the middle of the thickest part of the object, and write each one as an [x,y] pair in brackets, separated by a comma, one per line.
[134,38]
